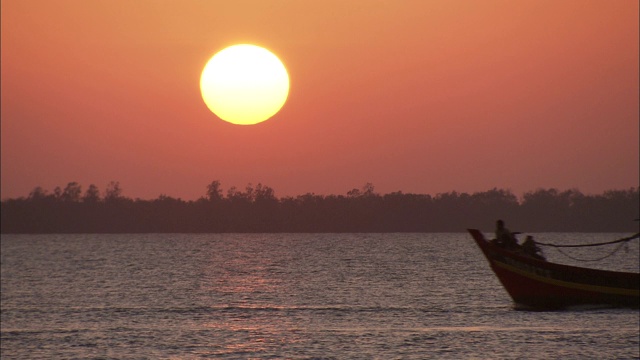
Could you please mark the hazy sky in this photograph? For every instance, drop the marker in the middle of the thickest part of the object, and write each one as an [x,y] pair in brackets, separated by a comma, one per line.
[424,96]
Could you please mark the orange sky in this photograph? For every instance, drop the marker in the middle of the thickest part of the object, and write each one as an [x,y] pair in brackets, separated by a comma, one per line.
[424,96]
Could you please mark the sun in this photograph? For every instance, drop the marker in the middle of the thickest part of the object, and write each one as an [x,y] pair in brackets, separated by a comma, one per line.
[244,84]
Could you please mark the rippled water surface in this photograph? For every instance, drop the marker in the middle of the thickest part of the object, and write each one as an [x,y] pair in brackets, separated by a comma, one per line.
[343,296]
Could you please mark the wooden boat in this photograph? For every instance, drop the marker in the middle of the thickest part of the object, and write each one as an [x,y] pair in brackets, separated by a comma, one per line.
[538,284]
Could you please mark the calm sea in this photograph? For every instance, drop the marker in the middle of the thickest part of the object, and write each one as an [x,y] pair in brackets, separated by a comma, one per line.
[298,296]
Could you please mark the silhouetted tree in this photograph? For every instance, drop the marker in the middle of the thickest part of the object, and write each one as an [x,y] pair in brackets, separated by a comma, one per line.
[113,191]
[214,191]
[37,194]
[72,192]
[57,192]
[92,195]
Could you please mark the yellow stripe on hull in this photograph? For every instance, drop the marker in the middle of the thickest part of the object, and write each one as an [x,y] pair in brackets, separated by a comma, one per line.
[566,284]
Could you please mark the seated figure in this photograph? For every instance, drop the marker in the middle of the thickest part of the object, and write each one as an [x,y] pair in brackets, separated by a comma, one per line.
[531,249]
[504,237]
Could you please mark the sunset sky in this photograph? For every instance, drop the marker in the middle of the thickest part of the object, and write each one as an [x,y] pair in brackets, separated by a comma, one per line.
[424,96]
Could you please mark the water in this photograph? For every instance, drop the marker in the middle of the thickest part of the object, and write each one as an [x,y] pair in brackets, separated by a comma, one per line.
[300,296]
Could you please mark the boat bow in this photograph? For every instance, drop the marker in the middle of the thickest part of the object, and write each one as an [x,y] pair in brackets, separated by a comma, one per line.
[537,283]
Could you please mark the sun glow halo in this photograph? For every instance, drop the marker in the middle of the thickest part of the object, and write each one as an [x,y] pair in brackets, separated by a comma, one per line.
[244,84]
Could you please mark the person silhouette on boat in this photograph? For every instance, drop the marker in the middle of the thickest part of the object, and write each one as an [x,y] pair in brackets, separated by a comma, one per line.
[504,237]
[530,248]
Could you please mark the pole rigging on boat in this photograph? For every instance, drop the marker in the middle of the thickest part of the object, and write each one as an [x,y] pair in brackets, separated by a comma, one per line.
[622,242]
[593,244]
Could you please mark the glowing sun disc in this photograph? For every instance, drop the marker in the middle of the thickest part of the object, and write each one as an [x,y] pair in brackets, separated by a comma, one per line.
[244,84]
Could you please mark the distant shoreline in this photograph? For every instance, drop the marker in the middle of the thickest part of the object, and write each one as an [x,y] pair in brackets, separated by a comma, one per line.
[257,210]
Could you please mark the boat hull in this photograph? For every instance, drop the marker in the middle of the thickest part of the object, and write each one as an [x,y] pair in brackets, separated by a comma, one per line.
[539,284]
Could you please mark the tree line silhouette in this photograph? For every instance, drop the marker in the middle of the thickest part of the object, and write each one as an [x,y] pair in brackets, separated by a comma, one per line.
[257,209]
